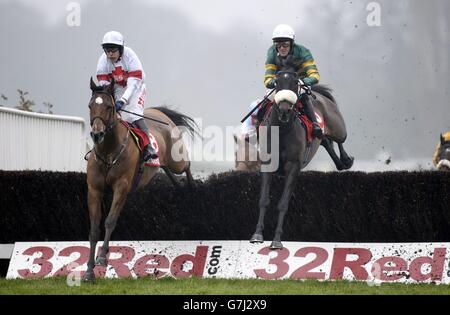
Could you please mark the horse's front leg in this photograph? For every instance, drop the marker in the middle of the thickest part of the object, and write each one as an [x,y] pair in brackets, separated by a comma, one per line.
[95,196]
[264,201]
[292,169]
[121,189]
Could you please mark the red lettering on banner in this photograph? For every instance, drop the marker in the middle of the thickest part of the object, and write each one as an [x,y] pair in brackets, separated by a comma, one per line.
[304,271]
[279,261]
[427,268]
[43,261]
[159,262]
[356,266]
[436,262]
[81,260]
[198,263]
[119,264]
[380,268]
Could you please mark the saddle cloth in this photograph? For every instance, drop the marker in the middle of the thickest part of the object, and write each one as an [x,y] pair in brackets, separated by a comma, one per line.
[304,120]
[142,140]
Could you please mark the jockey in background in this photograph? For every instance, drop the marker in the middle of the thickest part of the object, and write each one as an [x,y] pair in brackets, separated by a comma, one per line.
[121,63]
[283,46]
[441,157]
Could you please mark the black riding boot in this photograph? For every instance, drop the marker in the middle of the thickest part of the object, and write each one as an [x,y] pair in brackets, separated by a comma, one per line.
[309,111]
[149,150]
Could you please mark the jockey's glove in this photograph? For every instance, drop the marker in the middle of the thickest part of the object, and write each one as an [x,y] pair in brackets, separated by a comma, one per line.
[272,83]
[119,105]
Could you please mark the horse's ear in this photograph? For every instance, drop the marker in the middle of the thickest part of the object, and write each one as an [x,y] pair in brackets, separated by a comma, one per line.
[93,85]
[111,86]
[442,139]
[235,138]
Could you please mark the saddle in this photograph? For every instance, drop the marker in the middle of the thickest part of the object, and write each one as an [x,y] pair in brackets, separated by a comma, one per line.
[142,140]
[301,116]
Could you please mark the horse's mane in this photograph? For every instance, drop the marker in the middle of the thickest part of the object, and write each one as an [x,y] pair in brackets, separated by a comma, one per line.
[180,120]
[325,91]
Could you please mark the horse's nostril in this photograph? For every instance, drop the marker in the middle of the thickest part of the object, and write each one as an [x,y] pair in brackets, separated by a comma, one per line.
[97,136]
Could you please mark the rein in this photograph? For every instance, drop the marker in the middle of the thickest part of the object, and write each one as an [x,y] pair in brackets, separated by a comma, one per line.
[111,161]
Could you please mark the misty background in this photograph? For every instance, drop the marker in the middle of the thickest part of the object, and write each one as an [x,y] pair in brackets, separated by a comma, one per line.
[206,59]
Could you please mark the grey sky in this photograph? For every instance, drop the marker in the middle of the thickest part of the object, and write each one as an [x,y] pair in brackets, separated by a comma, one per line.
[206,59]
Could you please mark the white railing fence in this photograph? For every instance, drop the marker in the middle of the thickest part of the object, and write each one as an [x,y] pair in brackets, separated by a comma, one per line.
[34,141]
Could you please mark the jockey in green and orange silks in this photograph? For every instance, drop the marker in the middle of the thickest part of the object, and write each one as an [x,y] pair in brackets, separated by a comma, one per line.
[283,46]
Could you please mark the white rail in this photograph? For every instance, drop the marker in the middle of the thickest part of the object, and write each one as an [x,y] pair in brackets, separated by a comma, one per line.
[34,141]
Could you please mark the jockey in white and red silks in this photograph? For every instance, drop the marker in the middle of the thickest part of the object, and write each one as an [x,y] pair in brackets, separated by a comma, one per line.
[122,64]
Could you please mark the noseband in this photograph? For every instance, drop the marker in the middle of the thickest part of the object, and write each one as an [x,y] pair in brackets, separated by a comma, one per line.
[287,76]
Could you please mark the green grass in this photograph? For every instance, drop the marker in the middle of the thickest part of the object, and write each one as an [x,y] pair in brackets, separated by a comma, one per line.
[196,286]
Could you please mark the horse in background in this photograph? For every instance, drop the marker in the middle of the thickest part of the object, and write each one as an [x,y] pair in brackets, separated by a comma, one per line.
[116,161]
[441,159]
[246,155]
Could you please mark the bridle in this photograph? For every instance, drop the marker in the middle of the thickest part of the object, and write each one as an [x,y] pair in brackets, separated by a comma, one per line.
[111,122]
[291,110]
[109,126]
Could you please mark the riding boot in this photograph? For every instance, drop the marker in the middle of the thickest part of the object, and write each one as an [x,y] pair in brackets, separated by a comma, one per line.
[309,111]
[149,151]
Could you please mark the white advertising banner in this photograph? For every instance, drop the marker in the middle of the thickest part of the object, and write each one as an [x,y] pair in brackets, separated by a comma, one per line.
[396,262]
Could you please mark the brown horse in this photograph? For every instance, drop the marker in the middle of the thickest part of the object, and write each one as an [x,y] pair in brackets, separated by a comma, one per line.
[116,161]
[441,159]
[293,150]
[246,155]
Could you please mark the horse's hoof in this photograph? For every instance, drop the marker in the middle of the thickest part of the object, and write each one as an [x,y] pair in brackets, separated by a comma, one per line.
[89,276]
[276,245]
[101,261]
[347,164]
[257,238]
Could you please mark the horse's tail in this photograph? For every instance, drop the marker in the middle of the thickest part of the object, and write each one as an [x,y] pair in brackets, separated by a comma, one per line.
[325,91]
[180,119]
